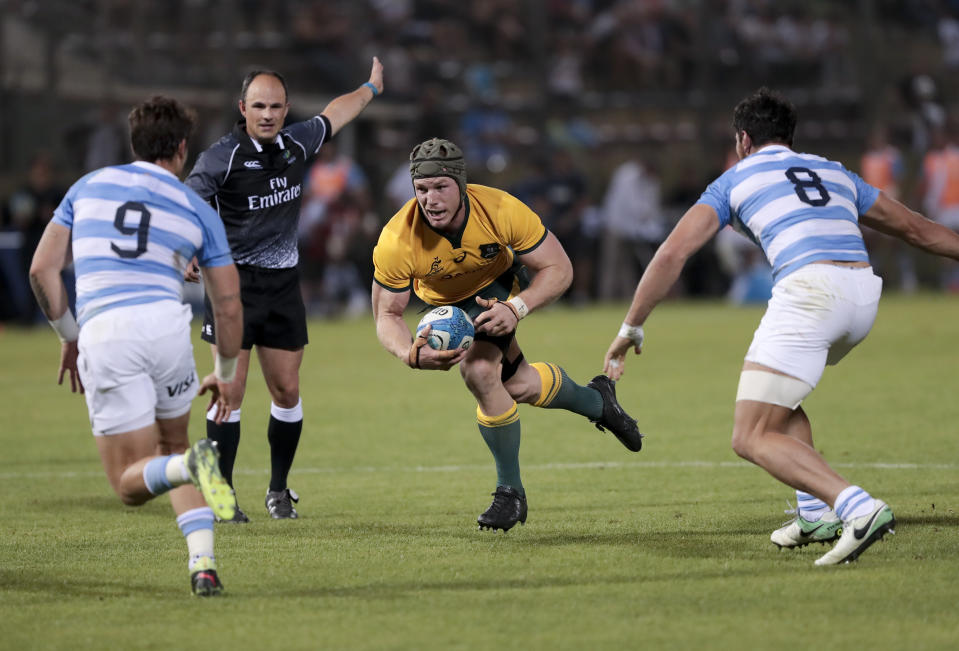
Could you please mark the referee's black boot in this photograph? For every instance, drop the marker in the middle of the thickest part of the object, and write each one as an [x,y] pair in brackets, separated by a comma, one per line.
[280,504]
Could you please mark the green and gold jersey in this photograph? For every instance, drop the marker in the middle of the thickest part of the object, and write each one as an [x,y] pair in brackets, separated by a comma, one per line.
[442,268]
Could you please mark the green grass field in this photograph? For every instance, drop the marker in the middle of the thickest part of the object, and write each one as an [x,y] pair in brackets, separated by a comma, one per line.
[667,548]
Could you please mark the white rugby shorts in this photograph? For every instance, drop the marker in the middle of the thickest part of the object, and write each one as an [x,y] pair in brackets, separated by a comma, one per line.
[137,365]
[816,315]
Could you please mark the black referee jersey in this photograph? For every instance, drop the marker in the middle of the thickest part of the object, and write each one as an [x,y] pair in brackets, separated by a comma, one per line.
[256,189]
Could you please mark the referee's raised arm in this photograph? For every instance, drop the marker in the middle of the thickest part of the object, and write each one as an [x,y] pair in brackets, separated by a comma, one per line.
[344,109]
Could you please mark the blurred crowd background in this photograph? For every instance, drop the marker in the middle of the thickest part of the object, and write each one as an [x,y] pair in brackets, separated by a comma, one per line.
[607,117]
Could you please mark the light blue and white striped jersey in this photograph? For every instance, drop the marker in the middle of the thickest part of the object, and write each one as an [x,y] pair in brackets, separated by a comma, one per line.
[798,207]
[134,229]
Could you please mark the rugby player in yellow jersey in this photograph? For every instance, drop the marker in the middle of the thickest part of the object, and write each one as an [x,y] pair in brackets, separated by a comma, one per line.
[471,246]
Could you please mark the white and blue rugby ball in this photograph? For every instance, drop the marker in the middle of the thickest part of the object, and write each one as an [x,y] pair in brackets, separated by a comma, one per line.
[452,328]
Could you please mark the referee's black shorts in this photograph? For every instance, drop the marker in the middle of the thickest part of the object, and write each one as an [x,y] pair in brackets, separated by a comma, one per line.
[273,312]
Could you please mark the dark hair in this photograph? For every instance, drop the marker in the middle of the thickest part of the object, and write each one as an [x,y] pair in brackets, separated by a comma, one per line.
[158,126]
[253,74]
[767,117]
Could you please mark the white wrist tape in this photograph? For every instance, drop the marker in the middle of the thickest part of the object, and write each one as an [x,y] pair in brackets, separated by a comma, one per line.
[66,327]
[520,305]
[224,368]
[633,333]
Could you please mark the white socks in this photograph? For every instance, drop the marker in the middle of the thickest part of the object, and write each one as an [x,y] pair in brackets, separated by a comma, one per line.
[854,502]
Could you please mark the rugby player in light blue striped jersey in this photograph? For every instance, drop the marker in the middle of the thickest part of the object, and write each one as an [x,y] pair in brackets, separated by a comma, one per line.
[805,212]
[130,231]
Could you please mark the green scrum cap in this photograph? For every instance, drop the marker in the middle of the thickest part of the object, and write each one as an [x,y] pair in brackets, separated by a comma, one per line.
[438,157]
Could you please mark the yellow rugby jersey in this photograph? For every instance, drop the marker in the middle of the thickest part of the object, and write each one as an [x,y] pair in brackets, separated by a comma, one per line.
[447,268]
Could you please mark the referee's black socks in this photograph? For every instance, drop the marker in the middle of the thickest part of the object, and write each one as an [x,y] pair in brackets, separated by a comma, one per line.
[284,435]
[227,437]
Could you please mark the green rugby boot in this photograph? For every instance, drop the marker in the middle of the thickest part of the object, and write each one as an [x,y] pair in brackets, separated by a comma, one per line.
[800,531]
[203,579]
[859,533]
[202,464]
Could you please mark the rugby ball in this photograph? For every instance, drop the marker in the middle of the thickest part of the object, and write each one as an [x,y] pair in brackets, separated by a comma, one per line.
[451,328]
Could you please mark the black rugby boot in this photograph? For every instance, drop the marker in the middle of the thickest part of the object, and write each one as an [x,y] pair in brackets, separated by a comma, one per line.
[614,418]
[508,508]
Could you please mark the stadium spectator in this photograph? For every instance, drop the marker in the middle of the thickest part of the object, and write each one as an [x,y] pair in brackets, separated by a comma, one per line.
[632,217]
[558,192]
[487,130]
[336,198]
[129,345]
[469,245]
[254,176]
[565,76]
[105,142]
[927,115]
[28,211]
[803,210]
[939,183]
[948,31]
[939,188]
[751,278]
[882,167]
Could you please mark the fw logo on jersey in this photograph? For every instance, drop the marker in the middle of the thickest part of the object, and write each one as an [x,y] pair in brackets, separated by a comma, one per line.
[182,386]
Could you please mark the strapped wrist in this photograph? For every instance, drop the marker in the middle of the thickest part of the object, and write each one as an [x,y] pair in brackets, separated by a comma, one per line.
[633,333]
[224,368]
[66,327]
[519,307]
[372,87]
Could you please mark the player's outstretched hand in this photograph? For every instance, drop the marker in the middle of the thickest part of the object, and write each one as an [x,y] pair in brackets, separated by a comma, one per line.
[499,318]
[68,364]
[423,357]
[192,273]
[376,75]
[225,397]
[615,361]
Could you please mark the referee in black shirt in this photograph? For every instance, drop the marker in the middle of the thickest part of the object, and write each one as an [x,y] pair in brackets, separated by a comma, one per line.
[253,177]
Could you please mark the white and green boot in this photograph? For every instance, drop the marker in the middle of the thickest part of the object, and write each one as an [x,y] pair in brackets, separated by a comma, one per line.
[800,531]
[859,533]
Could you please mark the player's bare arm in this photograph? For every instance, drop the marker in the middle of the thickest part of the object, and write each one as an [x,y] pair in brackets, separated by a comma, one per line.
[51,256]
[552,275]
[223,288]
[693,230]
[343,109]
[395,336]
[893,218]
[48,260]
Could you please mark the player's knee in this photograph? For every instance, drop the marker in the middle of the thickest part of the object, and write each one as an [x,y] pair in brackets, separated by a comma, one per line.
[523,388]
[131,499]
[479,373]
[286,395]
[741,444]
[165,447]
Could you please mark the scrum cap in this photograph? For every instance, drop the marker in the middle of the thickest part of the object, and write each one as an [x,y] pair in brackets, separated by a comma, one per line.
[438,157]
